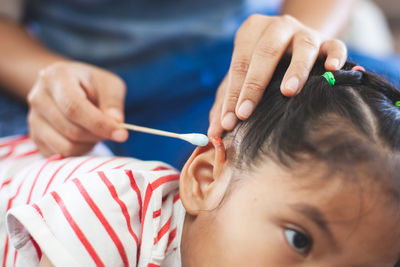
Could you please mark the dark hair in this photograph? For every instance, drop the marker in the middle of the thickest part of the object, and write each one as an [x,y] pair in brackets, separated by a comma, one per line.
[350,126]
[355,121]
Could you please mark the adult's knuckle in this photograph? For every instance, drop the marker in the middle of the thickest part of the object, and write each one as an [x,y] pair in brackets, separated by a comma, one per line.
[44,73]
[255,18]
[30,98]
[254,21]
[74,133]
[286,18]
[309,40]
[251,22]
[71,109]
[100,126]
[267,50]
[33,97]
[253,86]
[51,70]
[58,66]
[51,74]
[240,66]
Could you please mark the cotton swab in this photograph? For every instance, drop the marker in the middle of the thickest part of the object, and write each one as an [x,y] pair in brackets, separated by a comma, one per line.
[193,138]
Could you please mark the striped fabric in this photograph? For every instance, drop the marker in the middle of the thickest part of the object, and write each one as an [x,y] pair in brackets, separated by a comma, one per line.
[87,211]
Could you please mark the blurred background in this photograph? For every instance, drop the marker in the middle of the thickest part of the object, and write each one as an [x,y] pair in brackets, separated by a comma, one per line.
[182,47]
[375,27]
[391,9]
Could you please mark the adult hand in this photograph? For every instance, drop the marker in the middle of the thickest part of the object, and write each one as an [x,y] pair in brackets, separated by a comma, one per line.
[260,43]
[73,106]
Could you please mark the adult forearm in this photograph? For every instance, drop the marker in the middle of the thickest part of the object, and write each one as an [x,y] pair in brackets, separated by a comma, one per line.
[327,16]
[21,59]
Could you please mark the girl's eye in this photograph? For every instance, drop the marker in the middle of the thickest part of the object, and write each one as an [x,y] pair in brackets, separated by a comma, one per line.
[300,242]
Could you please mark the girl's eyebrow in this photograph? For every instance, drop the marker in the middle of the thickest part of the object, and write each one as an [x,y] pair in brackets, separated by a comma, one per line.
[315,215]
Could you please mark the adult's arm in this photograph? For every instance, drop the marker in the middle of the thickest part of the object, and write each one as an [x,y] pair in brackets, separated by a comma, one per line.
[307,29]
[72,105]
[21,58]
[328,17]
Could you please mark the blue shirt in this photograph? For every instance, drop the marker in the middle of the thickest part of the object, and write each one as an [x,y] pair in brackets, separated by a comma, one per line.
[171,54]
[104,32]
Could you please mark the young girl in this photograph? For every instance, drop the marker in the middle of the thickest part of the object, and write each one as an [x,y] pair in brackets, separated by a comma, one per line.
[308,181]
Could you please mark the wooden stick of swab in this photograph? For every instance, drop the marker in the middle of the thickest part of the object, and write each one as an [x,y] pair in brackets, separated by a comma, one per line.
[193,138]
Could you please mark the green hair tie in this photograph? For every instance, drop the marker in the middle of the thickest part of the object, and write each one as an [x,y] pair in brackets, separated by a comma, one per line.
[329,78]
[397,103]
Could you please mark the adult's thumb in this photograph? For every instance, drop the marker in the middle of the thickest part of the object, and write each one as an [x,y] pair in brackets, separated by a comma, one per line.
[115,113]
[111,97]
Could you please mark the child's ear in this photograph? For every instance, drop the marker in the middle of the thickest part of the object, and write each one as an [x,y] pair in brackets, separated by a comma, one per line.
[202,183]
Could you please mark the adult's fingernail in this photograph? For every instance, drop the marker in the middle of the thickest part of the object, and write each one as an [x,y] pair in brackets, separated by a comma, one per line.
[229,121]
[334,62]
[119,135]
[292,85]
[245,109]
[115,113]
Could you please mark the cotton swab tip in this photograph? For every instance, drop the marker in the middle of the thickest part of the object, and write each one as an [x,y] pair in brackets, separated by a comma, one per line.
[195,138]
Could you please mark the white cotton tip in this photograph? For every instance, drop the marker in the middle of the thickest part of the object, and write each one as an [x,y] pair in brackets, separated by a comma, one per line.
[195,139]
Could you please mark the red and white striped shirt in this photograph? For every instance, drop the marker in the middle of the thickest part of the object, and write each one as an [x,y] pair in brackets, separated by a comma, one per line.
[87,211]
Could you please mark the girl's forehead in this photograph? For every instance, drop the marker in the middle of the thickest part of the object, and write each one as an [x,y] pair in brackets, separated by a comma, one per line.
[355,210]
[347,196]
[325,184]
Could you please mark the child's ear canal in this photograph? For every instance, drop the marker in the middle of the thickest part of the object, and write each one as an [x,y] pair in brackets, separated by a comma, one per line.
[202,183]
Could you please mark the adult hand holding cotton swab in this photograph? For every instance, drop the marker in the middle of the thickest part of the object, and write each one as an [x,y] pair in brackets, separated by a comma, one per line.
[193,138]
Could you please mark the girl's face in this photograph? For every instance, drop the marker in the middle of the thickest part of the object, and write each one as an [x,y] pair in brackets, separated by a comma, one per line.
[275,218]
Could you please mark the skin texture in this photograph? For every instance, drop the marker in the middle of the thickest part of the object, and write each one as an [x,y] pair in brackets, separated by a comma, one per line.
[350,222]
[260,43]
[73,106]
[71,133]
[355,223]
